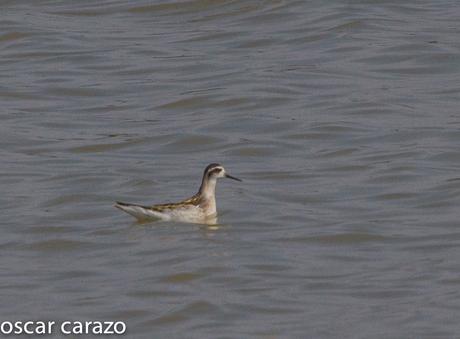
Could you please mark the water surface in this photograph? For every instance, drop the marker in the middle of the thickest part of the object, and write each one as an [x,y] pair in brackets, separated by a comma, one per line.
[341,117]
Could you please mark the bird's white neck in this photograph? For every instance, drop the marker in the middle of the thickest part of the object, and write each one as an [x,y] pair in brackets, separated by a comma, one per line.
[208,194]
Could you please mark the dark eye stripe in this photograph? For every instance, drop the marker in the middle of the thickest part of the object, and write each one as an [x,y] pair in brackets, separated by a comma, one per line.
[215,171]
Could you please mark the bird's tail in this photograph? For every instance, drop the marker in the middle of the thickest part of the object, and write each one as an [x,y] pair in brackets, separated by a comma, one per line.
[137,211]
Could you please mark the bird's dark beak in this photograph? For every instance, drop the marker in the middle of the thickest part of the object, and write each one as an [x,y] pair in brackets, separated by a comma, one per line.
[232,177]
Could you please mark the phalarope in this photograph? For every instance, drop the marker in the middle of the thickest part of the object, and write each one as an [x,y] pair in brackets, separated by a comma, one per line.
[197,209]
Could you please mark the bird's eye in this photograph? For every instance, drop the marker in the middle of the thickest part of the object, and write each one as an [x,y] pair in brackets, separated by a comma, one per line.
[215,171]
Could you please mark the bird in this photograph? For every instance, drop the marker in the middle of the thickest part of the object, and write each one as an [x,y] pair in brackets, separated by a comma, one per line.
[200,208]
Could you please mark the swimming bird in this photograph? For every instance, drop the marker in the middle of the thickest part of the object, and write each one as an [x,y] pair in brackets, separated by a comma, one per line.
[200,208]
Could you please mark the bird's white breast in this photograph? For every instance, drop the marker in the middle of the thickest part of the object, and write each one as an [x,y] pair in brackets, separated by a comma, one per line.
[186,213]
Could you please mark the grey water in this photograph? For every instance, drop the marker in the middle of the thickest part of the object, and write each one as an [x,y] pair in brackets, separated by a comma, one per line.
[341,117]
